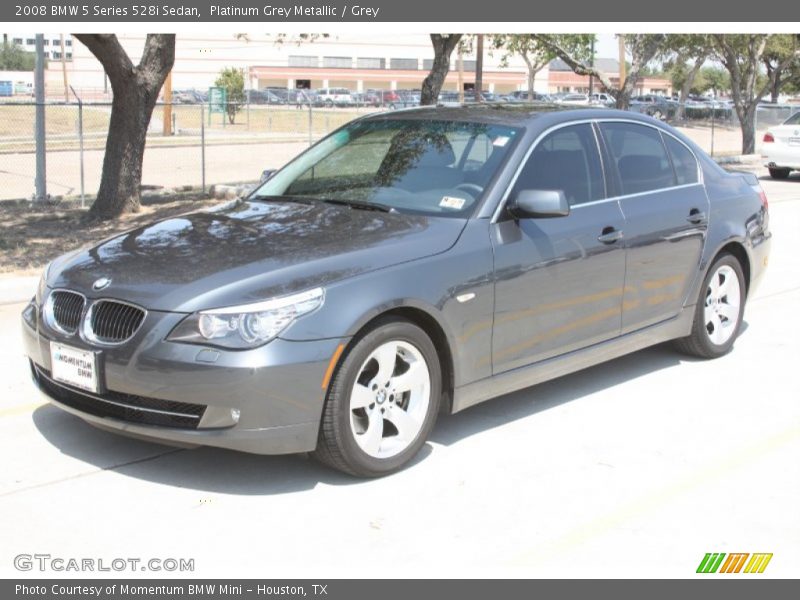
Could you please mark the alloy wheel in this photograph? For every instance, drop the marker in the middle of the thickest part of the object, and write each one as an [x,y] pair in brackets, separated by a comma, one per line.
[390,399]
[722,305]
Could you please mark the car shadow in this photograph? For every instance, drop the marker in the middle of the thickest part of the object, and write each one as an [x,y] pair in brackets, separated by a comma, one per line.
[229,472]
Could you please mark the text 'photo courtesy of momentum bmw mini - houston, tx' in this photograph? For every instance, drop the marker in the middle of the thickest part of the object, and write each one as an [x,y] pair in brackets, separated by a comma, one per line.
[410,263]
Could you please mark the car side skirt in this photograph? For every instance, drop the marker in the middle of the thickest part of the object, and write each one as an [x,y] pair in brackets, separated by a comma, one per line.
[517,379]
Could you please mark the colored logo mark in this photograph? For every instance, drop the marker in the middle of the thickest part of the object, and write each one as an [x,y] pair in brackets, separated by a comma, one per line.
[717,562]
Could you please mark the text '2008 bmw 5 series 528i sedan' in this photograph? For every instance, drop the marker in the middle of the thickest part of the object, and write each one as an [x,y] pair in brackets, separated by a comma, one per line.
[408,264]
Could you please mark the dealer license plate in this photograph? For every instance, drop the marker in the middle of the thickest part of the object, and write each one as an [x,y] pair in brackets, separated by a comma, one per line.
[74,366]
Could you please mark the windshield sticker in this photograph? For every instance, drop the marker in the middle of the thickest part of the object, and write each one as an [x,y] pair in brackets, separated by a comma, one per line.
[452,202]
[500,141]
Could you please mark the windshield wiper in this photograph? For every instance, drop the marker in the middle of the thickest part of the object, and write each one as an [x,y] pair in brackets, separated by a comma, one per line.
[299,199]
[356,204]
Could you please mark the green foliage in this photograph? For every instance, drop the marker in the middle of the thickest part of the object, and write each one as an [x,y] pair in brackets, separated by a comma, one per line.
[232,79]
[14,58]
[712,78]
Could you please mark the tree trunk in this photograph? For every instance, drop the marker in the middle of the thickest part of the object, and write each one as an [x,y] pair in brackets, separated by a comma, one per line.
[136,90]
[122,164]
[479,70]
[775,88]
[443,46]
[687,87]
[748,125]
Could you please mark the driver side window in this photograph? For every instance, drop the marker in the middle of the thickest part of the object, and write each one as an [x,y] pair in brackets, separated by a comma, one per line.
[567,160]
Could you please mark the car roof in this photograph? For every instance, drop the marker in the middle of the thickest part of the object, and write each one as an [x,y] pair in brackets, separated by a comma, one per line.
[513,115]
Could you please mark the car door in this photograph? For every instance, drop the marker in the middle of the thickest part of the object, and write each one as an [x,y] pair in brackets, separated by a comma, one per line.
[666,211]
[558,281]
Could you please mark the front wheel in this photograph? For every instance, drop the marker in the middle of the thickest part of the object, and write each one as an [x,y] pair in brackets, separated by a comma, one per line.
[382,402]
[719,310]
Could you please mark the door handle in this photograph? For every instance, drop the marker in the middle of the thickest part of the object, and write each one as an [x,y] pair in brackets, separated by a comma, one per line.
[696,217]
[609,235]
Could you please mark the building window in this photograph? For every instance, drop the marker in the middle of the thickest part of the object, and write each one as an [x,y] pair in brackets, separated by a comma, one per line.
[30,41]
[337,62]
[56,55]
[371,63]
[303,61]
[69,55]
[46,42]
[17,41]
[68,43]
[404,64]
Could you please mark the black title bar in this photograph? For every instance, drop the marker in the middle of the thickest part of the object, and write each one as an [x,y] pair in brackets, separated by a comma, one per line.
[348,11]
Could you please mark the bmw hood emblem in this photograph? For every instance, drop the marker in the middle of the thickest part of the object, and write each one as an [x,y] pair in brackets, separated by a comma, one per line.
[101,284]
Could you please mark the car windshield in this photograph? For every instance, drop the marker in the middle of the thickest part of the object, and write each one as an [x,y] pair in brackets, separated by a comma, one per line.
[427,167]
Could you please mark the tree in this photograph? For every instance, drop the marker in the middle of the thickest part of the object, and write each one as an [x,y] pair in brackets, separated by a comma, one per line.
[643,48]
[232,80]
[136,89]
[443,46]
[779,48]
[535,54]
[742,56]
[687,48]
[14,58]
[715,79]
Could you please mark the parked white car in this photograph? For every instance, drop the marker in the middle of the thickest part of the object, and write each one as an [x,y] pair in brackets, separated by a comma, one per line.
[602,99]
[335,96]
[781,148]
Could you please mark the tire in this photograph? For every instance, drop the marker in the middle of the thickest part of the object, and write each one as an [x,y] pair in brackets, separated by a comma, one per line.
[354,436]
[718,312]
[779,173]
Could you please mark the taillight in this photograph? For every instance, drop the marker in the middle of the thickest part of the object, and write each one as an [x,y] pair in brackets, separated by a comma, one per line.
[763,196]
[768,137]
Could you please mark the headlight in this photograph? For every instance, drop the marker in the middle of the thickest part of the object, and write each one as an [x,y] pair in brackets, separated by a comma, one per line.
[248,325]
[42,287]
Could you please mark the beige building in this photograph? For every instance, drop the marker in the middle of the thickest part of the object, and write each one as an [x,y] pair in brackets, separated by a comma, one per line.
[357,62]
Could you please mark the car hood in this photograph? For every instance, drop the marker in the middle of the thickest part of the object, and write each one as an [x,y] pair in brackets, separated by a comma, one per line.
[249,251]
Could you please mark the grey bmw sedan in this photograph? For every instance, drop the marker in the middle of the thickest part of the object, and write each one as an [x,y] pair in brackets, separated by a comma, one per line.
[410,263]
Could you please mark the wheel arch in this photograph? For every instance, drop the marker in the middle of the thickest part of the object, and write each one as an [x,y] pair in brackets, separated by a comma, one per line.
[431,325]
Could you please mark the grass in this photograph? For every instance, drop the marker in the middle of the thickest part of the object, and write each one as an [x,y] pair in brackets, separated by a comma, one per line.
[32,236]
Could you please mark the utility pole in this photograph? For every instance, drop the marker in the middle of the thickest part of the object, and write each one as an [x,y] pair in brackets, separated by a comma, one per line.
[41,165]
[622,65]
[64,69]
[167,116]
[591,76]
[479,70]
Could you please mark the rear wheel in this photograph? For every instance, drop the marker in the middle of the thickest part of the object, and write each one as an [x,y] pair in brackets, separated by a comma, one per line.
[779,173]
[382,402]
[719,310]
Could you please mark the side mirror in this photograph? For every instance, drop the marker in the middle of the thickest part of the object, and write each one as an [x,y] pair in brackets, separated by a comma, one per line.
[538,204]
[267,173]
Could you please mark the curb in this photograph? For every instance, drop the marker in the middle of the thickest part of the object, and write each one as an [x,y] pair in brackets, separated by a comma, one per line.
[738,159]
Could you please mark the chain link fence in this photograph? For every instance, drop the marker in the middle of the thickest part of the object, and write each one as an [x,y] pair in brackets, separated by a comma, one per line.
[192,143]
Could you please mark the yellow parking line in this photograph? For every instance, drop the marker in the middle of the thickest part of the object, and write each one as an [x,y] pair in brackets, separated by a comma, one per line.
[18,410]
[730,462]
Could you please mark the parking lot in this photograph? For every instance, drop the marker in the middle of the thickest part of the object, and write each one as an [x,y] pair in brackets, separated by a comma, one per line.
[635,468]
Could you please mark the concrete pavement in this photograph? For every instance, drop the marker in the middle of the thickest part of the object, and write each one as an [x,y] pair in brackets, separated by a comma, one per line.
[635,468]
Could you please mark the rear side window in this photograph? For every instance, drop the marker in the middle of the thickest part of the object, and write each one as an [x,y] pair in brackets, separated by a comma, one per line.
[683,161]
[641,158]
[566,160]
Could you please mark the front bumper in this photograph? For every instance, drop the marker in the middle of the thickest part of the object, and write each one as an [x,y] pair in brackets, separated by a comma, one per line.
[265,401]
